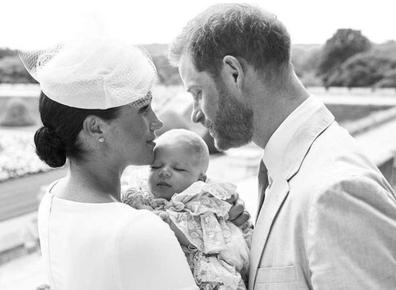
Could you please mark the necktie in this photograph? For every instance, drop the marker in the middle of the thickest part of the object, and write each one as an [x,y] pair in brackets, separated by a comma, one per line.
[263,184]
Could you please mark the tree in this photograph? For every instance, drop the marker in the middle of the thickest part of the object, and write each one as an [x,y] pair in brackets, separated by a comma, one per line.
[389,80]
[362,70]
[7,52]
[17,114]
[167,75]
[374,68]
[344,44]
[13,71]
[305,58]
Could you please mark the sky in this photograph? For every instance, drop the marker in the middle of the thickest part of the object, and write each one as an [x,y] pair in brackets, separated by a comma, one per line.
[33,24]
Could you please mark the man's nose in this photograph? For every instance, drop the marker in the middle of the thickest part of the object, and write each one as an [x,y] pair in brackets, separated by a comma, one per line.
[197,116]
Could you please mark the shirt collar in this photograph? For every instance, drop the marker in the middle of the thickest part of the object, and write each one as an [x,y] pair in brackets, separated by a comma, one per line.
[277,145]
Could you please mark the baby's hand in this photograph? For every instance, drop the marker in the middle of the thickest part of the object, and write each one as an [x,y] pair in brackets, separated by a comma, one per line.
[237,213]
[178,233]
[163,215]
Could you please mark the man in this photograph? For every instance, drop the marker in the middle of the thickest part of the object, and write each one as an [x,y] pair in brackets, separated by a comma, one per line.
[327,219]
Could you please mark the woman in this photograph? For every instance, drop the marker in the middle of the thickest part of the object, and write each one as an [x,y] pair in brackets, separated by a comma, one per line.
[96,114]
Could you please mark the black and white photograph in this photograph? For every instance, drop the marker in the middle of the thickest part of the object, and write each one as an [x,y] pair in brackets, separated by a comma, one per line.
[197,145]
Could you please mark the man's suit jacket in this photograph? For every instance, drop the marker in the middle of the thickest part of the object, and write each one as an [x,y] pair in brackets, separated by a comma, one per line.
[330,221]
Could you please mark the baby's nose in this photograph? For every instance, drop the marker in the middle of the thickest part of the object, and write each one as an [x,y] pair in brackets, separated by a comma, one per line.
[164,172]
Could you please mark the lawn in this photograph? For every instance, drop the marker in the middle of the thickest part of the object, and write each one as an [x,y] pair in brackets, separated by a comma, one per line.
[343,113]
[17,155]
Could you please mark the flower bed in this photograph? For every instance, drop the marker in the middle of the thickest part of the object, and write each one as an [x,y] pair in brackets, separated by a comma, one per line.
[17,155]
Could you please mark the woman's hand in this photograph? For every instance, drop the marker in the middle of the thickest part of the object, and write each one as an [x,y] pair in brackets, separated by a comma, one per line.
[237,214]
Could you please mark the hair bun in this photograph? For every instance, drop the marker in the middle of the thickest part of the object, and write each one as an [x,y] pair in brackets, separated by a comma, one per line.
[49,147]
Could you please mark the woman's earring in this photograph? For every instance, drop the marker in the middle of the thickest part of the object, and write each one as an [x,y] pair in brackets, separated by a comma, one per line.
[101,139]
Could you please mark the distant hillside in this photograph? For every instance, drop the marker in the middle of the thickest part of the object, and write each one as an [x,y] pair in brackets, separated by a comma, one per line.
[301,53]
[305,57]
[162,49]
[306,47]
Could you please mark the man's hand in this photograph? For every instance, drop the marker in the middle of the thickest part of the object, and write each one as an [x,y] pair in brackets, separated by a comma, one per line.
[237,214]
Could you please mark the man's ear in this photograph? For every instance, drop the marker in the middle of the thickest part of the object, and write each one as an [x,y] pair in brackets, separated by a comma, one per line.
[232,72]
[202,177]
[94,126]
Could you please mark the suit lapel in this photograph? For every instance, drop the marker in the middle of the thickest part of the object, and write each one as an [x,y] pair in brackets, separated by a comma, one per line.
[320,120]
[273,202]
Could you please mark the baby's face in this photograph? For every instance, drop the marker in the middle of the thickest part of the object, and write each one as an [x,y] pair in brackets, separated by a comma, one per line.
[174,169]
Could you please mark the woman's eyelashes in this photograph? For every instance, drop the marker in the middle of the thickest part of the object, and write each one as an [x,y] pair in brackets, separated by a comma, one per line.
[144,109]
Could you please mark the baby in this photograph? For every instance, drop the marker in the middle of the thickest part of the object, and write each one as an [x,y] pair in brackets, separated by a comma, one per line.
[177,190]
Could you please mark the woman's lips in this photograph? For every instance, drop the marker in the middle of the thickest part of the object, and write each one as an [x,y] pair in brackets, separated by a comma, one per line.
[151,143]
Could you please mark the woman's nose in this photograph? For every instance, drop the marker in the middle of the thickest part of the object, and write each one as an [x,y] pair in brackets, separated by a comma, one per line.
[155,123]
[197,116]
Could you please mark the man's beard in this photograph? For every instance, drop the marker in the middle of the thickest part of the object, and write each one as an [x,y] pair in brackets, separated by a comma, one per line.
[233,124]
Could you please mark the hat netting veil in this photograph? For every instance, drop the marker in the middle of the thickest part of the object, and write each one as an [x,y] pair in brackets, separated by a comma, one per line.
[92,74]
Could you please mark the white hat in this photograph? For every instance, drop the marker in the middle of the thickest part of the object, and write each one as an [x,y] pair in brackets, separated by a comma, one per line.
[92,74]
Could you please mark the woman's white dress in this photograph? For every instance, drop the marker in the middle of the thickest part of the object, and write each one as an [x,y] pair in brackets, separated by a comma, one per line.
[108,246]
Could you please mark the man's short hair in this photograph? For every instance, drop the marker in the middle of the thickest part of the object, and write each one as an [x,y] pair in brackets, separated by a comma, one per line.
[241,30]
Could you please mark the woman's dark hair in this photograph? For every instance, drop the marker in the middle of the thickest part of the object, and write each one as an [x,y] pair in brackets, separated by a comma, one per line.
[57,139]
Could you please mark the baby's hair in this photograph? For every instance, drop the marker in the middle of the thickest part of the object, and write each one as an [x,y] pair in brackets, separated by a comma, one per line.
[189,138]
